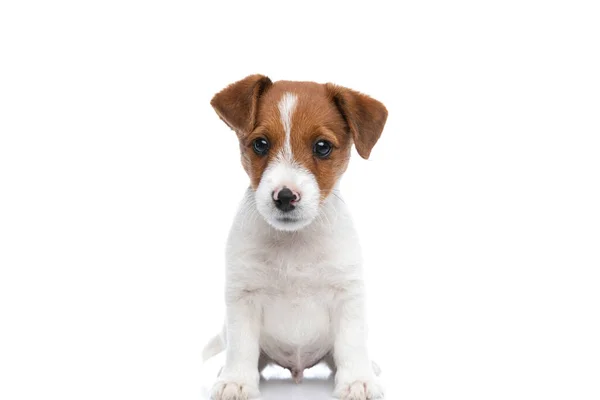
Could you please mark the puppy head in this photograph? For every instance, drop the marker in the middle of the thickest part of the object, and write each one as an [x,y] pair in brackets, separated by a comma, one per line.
[295,140]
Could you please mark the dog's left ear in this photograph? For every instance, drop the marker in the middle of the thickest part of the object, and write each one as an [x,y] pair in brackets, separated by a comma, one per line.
[364,115]
[237,104]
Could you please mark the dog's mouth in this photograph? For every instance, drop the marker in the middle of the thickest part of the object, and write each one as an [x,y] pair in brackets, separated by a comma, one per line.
[287,220]
[288,223]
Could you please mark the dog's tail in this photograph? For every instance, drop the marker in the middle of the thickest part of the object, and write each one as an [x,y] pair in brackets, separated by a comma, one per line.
[213,347]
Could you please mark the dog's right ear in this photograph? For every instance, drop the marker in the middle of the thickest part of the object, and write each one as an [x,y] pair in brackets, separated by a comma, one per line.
[237,104]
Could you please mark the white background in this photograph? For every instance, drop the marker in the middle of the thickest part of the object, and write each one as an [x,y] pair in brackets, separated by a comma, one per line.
[479,208]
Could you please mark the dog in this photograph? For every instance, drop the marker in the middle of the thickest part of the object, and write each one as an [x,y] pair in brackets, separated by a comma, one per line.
[294,290]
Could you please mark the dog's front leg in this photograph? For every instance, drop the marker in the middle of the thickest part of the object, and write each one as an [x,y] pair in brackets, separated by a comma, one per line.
[239,378]
[354,378]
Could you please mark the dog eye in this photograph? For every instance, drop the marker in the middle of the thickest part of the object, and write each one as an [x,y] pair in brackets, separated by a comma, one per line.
[260,146]
[322,148]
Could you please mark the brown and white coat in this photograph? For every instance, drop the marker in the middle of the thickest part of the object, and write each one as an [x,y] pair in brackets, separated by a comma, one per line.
[294,288]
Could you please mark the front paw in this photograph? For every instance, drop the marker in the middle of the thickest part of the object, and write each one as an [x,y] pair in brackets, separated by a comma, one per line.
[232,390]
[361,389]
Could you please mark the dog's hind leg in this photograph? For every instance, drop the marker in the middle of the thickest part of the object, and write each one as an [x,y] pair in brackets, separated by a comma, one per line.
[376,368]
[328,360]
[214,346]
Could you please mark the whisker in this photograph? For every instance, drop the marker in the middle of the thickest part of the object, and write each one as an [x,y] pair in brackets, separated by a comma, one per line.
[342,200]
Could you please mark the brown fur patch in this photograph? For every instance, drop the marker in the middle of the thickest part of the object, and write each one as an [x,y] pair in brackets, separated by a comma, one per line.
[323,112]
[237,104]
[365,116]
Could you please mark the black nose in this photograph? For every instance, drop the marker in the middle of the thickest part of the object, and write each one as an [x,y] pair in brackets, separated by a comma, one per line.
[284,200]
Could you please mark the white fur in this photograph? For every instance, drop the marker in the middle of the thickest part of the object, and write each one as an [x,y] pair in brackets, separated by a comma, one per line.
[294,290]
[286,107]
[296,297]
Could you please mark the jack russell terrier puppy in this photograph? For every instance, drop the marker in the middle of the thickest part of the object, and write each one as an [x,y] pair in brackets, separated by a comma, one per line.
[294,289]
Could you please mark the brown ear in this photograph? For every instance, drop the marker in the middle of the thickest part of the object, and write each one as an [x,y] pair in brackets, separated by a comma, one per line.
[364,115]
[237,104]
